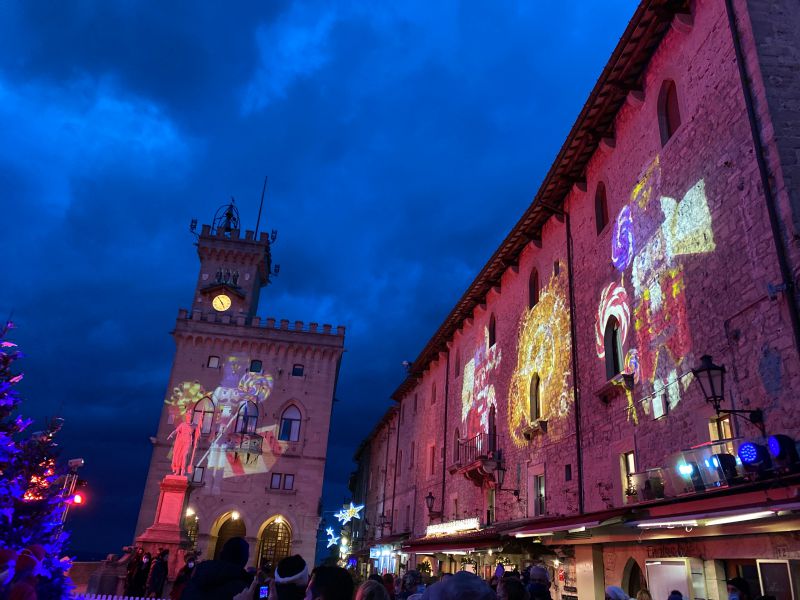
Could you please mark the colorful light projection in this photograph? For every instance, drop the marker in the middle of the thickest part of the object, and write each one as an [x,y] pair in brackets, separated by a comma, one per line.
[653,235]
[226,452]
[544,350]
[477,390]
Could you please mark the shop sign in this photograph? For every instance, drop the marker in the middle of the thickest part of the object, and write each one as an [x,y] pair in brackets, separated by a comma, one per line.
[453,527]
[380,551]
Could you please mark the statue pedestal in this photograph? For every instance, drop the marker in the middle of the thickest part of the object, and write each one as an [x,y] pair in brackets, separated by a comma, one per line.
[166,532]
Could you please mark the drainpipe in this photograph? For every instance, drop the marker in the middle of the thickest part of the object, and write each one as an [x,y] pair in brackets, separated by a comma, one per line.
[769,197]
[386,470]
[396,465]
[444,433]
[575,388]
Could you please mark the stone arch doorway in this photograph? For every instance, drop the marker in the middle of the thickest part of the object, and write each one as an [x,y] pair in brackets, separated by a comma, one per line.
[633,578]
[230,527]
[275,542]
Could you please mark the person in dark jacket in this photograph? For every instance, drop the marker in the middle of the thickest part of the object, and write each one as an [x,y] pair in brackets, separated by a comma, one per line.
[140,575]
[223,578]
[158,575]
[183,576]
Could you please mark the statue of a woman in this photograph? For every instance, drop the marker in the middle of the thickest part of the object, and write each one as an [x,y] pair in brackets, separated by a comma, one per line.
[185,434]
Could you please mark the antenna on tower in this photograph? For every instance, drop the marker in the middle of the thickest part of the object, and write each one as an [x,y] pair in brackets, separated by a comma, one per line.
[260,206]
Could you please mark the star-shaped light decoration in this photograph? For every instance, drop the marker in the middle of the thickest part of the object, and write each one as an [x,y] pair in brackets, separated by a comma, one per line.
[346,514]
[333,540]
[329,531]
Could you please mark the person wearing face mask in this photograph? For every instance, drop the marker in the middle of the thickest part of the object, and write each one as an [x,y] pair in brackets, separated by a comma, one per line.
[182,578]
[738,589]
[140,575]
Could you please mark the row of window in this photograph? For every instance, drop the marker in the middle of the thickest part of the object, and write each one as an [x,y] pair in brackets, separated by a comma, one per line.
[247,419]
[286,478]
[256,366]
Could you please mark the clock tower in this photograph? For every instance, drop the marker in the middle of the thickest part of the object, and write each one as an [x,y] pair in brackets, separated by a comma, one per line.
[233,268]
[242,440]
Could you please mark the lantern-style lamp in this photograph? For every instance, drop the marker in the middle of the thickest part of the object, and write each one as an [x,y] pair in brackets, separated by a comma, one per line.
[711,378]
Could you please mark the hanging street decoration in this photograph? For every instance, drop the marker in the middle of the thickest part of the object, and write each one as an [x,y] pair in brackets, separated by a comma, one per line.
[332,539]
[347,514]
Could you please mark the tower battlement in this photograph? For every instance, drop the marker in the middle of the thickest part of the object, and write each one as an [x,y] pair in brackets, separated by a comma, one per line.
[259,323]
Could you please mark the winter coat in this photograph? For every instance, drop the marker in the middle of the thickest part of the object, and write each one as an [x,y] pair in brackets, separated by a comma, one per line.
[216,580]
[157,578]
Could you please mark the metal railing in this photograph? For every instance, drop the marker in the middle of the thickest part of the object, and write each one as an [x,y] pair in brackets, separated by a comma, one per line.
[481,446]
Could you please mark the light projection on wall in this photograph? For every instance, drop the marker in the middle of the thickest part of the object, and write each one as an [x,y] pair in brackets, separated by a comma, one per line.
[544,350]
[477,390]
[236,441]
[653,236]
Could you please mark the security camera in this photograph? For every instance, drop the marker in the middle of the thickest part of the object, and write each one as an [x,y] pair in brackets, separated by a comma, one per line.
[75,463]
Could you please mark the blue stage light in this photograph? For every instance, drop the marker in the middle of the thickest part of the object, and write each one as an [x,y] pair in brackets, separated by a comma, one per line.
[749,453]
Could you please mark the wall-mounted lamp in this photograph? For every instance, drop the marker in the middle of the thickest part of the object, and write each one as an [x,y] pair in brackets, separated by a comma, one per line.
[500,477]
[432,514]
[711,379]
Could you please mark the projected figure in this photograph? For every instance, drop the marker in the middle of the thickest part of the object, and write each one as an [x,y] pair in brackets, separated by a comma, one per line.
[185,434]
[477,392]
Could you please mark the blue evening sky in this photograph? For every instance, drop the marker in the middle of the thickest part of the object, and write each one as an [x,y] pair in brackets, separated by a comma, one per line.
[402,141]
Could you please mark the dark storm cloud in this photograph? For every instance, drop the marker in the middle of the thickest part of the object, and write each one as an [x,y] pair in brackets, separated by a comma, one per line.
[402,142]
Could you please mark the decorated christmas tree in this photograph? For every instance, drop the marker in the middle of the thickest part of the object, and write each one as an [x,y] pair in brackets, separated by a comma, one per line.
[32,500]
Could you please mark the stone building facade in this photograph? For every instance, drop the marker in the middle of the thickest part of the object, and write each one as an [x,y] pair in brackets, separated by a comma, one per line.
[554,416]
[260,392]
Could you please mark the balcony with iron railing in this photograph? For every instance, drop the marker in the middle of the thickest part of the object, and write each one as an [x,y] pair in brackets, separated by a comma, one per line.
[477,458]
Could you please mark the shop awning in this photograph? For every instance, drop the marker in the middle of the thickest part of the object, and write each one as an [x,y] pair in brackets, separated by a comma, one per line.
[472,541]
[576,524]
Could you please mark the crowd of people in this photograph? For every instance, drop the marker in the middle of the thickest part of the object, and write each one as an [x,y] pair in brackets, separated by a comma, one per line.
[20,572]
[227,578]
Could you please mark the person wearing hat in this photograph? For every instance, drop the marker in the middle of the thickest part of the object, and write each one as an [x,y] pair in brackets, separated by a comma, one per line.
[291,578]
[183,576]
[738,589]
[26,578]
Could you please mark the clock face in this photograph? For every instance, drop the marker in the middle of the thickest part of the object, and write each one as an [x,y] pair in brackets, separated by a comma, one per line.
[221,302]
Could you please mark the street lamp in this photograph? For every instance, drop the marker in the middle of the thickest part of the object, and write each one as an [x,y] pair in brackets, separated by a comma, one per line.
[500,477]
[711,379]
[429,500]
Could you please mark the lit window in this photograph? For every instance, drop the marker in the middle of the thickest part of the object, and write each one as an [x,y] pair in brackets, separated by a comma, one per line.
[533,289]
[275,481]
[720,428]
[535,400]
[213,362]
[600,207]
[492,331]
[539,492]
[613,348]
[288,482]
[297,370]
[290,425]
[203,414]
[628,469]
[669,114]
[255,366]
[247,418]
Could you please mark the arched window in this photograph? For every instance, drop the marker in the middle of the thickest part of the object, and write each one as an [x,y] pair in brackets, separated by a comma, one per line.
[492,429]
[290,425]
[276,543]
[613,348]
[492,331]
[669,114]
[247,418]
[433,394]
[230,529]
[533,288]
[203,414]
[534,399]
[600,207]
